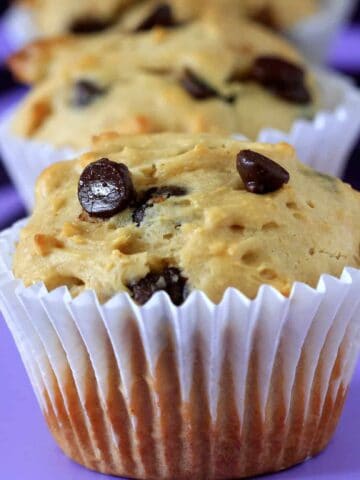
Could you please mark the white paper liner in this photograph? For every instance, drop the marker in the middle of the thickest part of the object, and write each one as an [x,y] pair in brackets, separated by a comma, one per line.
[18,28]
[314,35]
[323,143]
[24,160]
[285,362]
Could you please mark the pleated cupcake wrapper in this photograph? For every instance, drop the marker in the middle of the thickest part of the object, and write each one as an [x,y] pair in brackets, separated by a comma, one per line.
[25,159]
[17,28]
[323,143]
[313,35]
[199,391]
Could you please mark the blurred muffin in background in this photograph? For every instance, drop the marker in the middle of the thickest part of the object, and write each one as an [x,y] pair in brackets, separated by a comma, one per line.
[198,77]
[88,16]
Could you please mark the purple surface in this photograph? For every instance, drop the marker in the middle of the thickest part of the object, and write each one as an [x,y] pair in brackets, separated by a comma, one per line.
[14,207]
[6,46]
[27,451]
[345,51]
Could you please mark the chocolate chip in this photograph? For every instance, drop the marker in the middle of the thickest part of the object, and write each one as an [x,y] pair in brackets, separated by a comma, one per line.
[265,16]
[260,174]
[238,76]
[86,92]
[196,87]
[169,280]
[86,25]
[296,94]
[162,16]
[151,197]
[105,188]
[199,89]
[284,79]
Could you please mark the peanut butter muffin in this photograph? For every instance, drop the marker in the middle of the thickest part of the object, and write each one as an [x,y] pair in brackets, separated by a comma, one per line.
[186,212]
[161,383]
[201,77]
[89,16]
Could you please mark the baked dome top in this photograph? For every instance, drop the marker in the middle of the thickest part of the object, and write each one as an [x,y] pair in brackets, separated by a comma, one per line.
[184,212]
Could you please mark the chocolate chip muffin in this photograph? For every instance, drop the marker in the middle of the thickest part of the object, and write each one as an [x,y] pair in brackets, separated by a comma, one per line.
[89,16]
[161,383]
[200,77]
[186,212]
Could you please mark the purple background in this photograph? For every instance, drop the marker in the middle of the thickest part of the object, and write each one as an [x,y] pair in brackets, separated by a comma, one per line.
[27,451]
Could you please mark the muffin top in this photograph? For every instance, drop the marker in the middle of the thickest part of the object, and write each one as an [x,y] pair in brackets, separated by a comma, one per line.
[183,212]
[79,16]
[90,16]
[197,43]
[198,77]
[280,14]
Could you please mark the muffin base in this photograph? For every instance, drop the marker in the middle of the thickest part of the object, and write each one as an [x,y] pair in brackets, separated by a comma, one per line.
[191,444]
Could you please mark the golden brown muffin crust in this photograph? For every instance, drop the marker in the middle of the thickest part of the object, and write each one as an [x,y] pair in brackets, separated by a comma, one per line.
[217,234]
[54,19]
[145,83]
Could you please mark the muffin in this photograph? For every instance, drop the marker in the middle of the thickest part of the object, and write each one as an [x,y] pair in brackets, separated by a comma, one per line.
[310,24]
[89,16]
[279,14]
[177,376]
[185,193]
[201,77]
